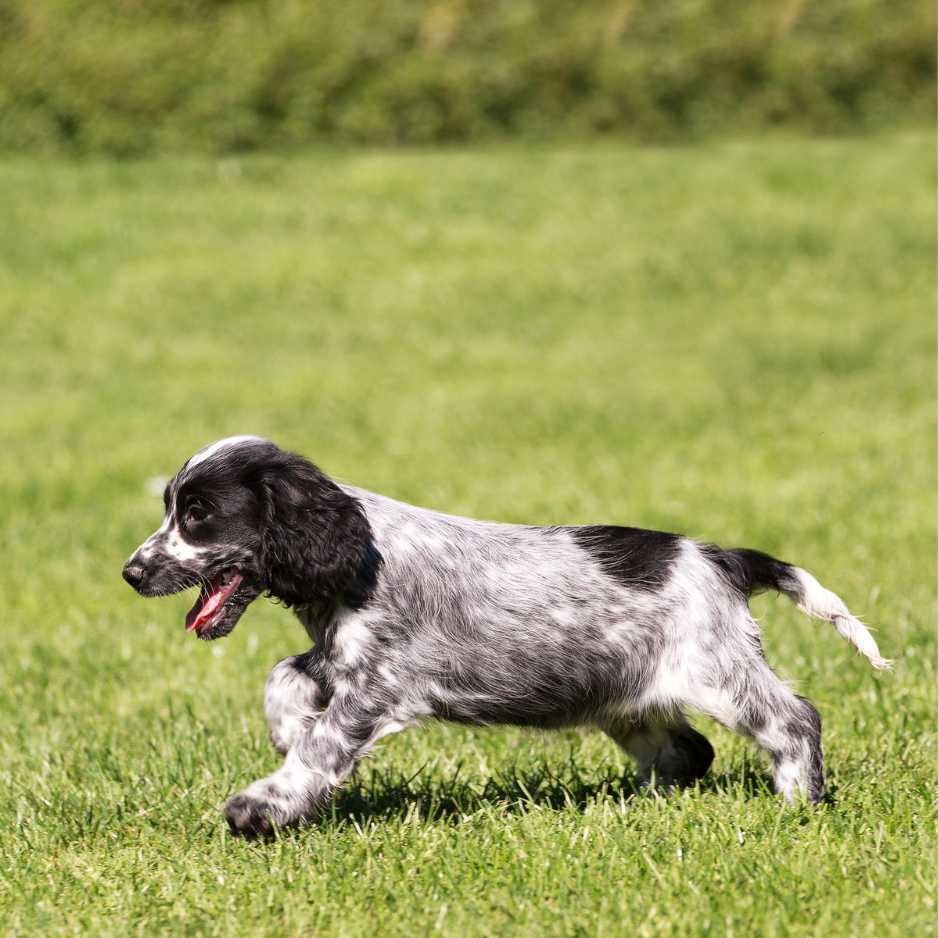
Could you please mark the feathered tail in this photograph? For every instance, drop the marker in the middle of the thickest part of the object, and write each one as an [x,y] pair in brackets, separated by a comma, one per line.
[751,571]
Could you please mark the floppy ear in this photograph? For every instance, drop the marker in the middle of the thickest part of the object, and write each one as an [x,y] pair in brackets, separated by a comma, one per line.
[316,543]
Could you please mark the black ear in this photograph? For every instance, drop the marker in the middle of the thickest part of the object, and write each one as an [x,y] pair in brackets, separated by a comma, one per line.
[316,543]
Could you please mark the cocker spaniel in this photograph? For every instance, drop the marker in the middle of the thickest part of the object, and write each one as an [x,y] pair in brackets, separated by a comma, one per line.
[416,614]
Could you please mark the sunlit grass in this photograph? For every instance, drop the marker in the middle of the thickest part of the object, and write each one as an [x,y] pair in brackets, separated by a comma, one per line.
[736,341]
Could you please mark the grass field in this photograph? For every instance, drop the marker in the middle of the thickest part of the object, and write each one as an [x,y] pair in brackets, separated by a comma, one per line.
[736,341]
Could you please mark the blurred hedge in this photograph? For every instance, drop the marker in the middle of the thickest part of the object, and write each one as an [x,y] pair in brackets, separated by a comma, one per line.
[132,76]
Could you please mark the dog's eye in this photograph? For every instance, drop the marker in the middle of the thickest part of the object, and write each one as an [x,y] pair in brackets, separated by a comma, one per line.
[196,512]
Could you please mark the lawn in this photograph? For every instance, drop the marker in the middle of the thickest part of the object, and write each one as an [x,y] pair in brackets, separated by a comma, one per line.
[734,340]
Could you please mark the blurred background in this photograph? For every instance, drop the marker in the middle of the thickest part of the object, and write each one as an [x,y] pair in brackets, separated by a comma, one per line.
[668,264]
[140,76]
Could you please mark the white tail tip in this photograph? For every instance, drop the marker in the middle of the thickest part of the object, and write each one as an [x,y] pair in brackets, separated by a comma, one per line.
[821,603]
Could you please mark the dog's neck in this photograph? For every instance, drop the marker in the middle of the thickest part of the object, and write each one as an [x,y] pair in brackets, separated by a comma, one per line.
[319,619]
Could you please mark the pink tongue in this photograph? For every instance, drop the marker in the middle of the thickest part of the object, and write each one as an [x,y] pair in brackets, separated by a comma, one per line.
[204,610]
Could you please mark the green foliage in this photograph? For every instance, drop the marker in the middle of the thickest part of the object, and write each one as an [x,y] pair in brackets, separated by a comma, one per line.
[734,340]
[222,75]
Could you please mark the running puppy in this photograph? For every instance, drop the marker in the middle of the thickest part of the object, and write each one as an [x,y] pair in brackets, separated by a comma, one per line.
[416,614]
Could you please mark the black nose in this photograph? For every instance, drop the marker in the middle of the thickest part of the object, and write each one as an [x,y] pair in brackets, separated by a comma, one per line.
[133,573]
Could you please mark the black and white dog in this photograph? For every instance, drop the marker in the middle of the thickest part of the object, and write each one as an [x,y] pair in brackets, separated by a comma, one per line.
[416,614]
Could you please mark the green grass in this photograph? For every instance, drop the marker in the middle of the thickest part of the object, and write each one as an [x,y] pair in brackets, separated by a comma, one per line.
[734,340]
[164,76]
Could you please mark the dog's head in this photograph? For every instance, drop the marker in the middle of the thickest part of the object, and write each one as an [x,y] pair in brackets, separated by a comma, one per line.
[244,517]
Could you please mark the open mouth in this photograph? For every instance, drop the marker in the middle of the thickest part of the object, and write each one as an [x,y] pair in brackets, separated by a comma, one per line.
[210,606]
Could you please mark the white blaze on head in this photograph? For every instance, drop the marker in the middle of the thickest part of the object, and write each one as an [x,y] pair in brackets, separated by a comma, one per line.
[208,451]
[168,536]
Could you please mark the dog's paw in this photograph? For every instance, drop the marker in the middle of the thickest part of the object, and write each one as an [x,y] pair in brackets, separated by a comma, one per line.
[250,816]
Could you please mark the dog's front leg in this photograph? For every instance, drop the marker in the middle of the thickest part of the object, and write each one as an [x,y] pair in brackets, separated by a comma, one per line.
[295,696]
[319,761]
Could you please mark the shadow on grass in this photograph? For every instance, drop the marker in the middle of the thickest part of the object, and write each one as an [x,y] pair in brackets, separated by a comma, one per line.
[513,791]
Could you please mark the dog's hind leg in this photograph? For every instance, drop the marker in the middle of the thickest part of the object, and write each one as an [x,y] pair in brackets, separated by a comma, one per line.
[788,727]
[668,751]
[294,696]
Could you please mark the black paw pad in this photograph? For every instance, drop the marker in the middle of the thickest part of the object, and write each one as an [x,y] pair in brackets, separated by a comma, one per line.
[696,756]
[249,817]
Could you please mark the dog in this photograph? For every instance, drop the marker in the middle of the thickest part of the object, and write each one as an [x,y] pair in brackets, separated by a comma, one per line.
[416,614]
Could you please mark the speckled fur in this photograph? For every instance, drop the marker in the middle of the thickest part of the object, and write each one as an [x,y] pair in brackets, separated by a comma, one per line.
[489,623]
